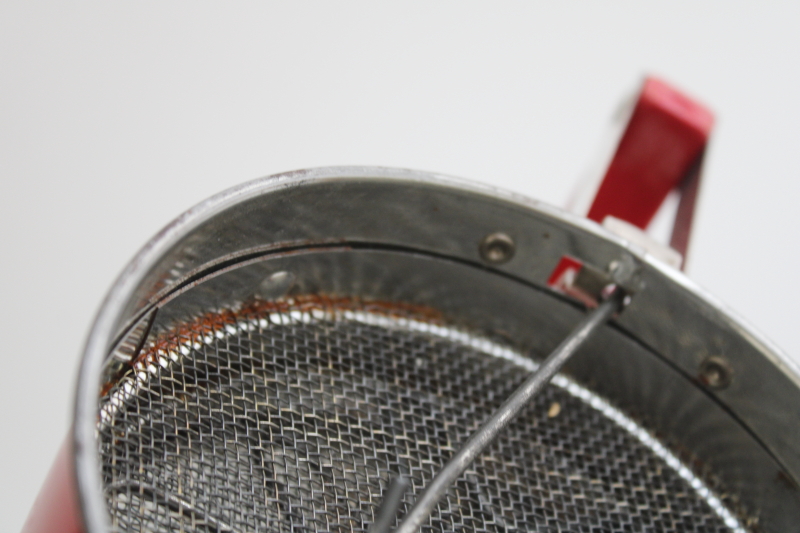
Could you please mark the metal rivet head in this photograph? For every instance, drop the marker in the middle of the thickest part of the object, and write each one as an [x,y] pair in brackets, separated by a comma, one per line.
[497,248]
[276,285]
[715,373]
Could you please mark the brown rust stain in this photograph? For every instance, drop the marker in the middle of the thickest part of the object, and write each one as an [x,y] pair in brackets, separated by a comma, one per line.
[253,309]
[787,480]
[107,386]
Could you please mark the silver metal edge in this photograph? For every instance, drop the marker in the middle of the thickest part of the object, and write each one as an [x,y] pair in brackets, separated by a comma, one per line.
[732,318]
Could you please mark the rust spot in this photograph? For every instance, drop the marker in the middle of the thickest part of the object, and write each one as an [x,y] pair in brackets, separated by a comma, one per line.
[204,325]
[787,480]
[107,387]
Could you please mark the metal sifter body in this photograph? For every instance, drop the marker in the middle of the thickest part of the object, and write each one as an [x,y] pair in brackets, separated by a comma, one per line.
[280,353]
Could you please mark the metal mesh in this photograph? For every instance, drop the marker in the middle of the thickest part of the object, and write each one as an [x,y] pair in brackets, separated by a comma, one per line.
[294,417]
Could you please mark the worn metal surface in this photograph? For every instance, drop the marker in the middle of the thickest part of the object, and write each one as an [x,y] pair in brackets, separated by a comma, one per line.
[294,416]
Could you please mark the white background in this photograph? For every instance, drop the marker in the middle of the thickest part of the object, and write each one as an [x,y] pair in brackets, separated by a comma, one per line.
[114,118]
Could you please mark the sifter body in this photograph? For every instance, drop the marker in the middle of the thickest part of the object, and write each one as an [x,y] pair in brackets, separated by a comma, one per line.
[280,353]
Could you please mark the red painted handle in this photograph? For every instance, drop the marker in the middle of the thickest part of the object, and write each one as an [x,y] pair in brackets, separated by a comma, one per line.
[56,509]
[661,150]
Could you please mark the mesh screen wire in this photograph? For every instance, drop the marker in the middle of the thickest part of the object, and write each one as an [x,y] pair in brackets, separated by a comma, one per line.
[293,416]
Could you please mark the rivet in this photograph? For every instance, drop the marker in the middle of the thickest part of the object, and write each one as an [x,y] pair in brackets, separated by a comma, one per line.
[716,373]
[276,285]
[497,248]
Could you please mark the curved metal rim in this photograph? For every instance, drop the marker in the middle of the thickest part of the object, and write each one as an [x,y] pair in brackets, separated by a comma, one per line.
[103,329]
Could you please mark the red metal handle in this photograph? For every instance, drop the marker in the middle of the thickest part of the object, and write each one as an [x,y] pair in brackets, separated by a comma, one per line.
[56,509]
[661,150]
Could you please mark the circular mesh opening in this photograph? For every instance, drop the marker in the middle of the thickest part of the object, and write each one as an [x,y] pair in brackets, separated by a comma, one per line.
[293,416]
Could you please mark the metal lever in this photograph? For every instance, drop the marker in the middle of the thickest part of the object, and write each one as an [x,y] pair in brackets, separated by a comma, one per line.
[499,420]
[392,498]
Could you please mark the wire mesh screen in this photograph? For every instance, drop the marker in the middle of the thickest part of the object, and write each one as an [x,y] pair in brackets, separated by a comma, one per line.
[293,416]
